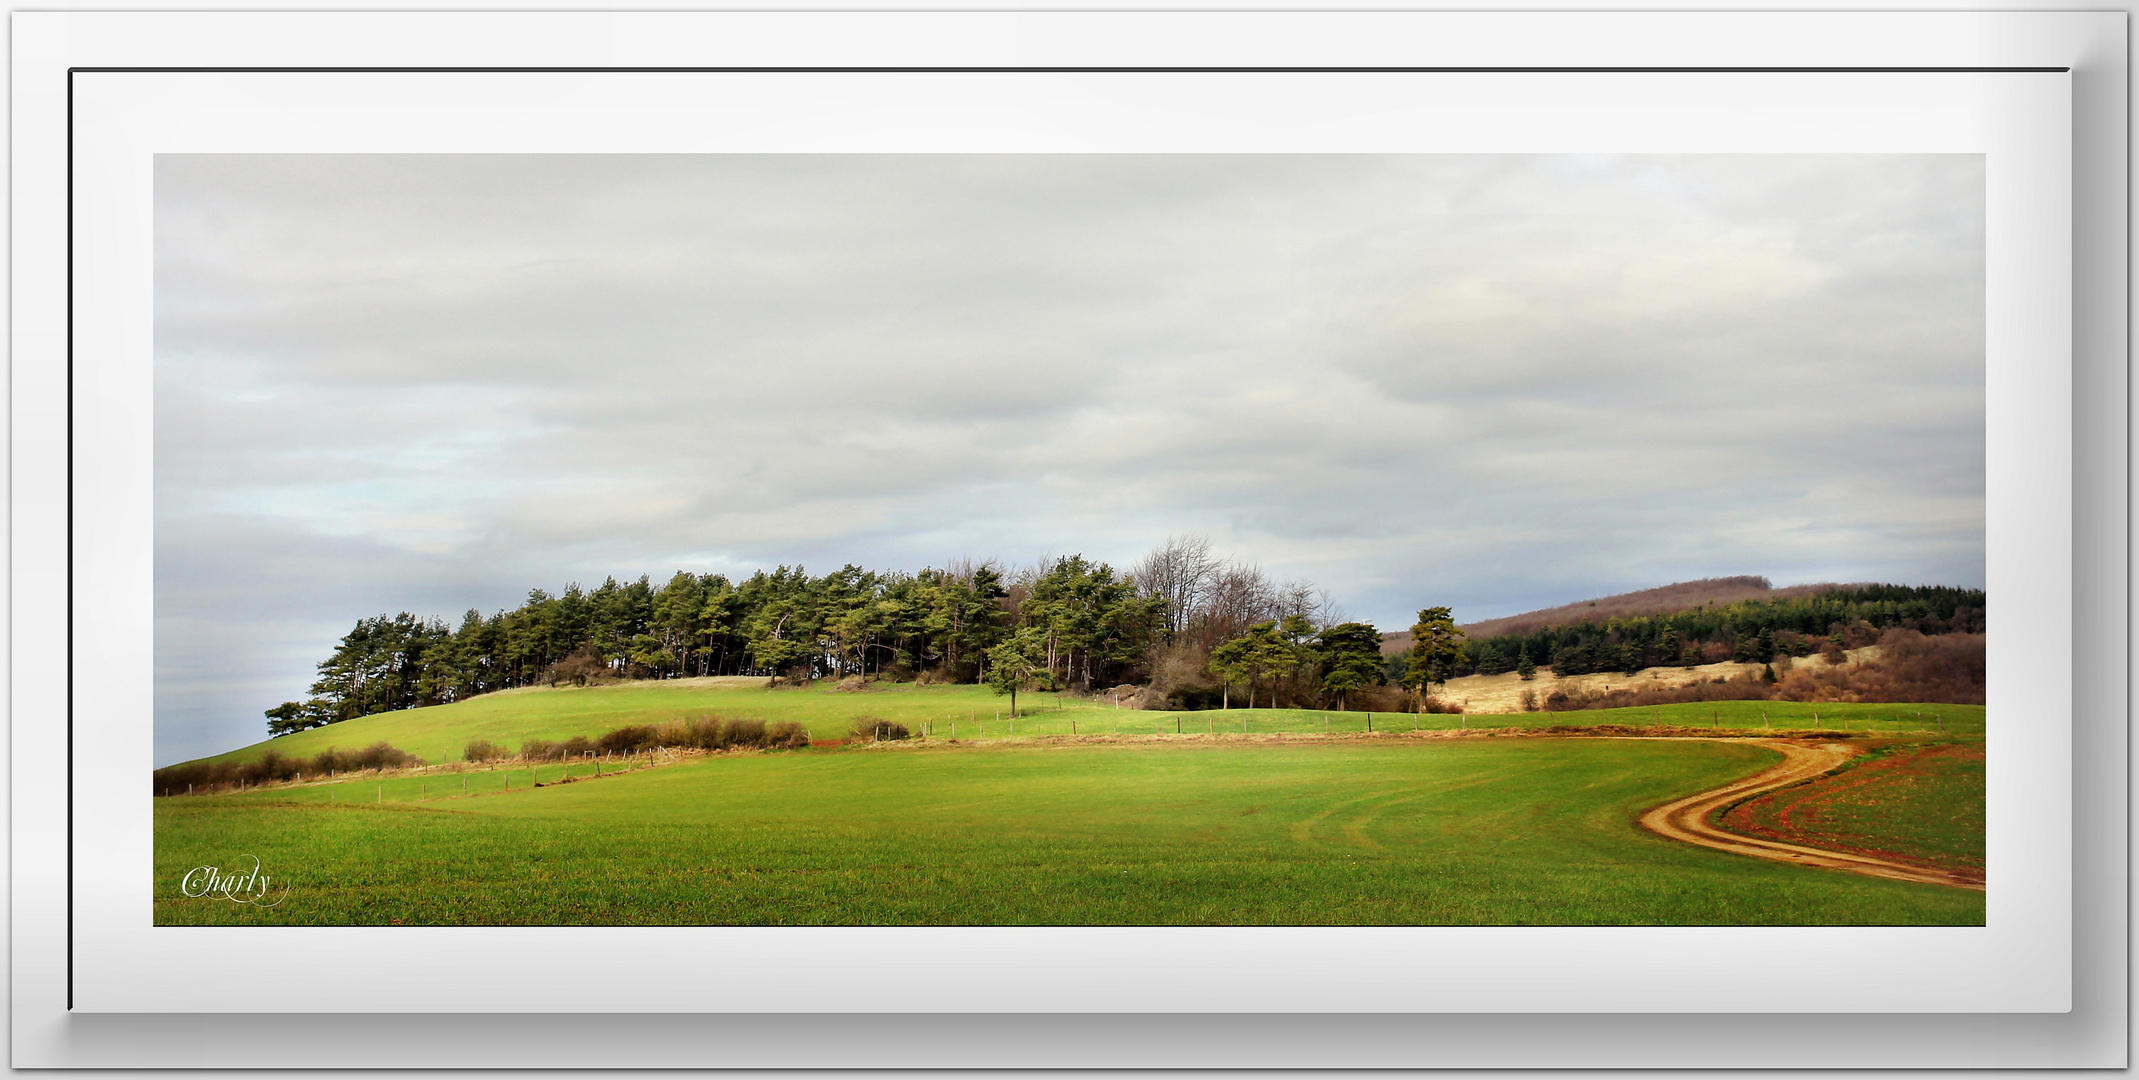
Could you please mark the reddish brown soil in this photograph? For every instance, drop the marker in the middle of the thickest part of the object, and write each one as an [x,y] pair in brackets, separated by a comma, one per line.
[1691,819]
[1800,814]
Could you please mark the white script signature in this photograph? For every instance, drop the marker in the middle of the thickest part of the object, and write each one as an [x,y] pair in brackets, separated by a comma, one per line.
[238,887]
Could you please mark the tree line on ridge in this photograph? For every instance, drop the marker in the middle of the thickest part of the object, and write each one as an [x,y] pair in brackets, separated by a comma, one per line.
[1190,629]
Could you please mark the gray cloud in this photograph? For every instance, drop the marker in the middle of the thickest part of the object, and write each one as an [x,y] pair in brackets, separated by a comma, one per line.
[430,383]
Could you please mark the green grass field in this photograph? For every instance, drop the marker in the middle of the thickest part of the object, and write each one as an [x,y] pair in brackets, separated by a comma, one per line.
[1077,815]
[440,733]
[1402,831]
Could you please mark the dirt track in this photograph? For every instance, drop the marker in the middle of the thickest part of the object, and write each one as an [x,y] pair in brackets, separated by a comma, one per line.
[1687,819]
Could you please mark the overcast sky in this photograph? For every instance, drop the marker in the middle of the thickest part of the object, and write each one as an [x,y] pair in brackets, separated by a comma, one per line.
[430,383]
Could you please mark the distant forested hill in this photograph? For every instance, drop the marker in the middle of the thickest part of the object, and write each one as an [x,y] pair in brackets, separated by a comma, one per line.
[1711,628]
[1662,600]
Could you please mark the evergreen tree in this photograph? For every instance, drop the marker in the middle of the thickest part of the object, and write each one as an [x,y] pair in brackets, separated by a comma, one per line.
[1630,658]
[1351,658]
[286,718]
[1013,664]
[1231,662]
[1436,648]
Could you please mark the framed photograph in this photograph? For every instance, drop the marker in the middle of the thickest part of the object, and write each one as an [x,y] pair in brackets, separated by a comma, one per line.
[843,528]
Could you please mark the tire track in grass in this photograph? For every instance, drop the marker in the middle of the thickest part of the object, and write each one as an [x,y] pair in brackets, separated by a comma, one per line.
[1355,830]
[1686,819]
[1303,831]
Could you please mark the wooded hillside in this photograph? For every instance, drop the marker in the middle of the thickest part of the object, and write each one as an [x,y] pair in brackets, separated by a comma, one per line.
[1662,600]
[1189,629]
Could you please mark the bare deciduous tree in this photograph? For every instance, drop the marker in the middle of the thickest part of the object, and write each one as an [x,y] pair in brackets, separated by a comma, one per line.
[1179,572]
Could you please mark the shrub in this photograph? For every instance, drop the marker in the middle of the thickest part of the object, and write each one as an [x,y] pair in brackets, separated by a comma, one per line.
[686,734]
[1529,699]
[708,733]
[1858,633]
[482,750]
[633,737]
[1181,679]
[380,755]
[1383,698]
[538,750]
[853,684]
[876,729]
[1909,666]
[1745,686]
[579,669]
[272,766]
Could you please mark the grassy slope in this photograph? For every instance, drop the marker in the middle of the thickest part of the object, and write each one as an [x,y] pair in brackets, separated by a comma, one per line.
[509,718]
[516,715]
[1480,831]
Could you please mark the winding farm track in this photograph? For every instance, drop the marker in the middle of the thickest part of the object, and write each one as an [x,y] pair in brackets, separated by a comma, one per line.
[1687,819]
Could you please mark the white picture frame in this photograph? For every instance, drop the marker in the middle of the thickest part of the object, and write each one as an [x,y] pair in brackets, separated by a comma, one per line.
[1234,971]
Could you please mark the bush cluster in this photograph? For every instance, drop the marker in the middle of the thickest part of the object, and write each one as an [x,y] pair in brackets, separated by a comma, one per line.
[1910,666]
[875,729]
[1743,687]
[272,766]
[704,733]
[545,750]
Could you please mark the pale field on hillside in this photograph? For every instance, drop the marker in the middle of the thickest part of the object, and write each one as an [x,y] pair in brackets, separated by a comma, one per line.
[1503,693]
